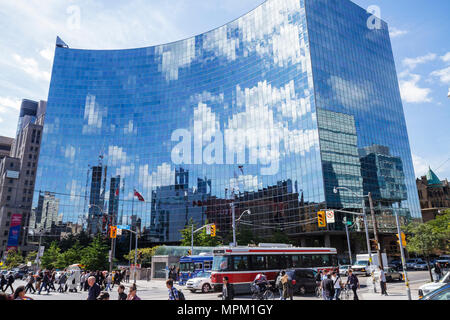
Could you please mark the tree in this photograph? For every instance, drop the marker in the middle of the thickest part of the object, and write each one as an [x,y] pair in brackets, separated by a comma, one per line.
[245,236]
[95,255]
[144,256]
[71,256]
[31,256]
[423,239]
[279,236]
[49,259]
[441,225]
[14,258]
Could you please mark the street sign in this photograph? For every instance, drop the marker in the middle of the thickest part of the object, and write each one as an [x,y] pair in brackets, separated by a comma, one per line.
[119,232]
[208,229]
[41,251]
[124,227]
[330,216]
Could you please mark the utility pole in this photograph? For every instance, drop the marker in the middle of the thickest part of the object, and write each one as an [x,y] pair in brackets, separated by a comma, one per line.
[402,253]
[348,241]
[375,230]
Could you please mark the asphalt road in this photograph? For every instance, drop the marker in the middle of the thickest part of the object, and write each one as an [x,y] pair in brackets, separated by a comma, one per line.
[156,290]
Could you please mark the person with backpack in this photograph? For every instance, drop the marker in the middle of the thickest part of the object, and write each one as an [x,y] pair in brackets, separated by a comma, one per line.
[328,288]
[9,283]
[278,283]
[3,282]
[174,293]
[337,285]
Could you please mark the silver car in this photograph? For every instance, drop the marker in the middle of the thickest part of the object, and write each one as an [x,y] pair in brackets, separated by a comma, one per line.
[421,265]
[391,274]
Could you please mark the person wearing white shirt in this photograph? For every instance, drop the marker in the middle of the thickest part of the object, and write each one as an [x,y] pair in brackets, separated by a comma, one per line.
[337,285]
[383,282]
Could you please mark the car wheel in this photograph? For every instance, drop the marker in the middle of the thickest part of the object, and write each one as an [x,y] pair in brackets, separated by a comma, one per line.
[206,288]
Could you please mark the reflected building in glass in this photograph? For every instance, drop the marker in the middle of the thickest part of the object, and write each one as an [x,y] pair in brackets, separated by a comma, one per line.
[268,111]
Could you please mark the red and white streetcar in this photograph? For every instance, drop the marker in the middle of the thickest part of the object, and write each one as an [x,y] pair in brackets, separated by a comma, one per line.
[242,264]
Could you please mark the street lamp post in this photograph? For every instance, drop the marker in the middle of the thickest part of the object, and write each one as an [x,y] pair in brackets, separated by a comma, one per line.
[348,241]
[234,224]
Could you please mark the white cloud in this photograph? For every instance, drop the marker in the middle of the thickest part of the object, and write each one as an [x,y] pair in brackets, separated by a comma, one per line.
[443,75]
[31,67]
[446,57]
[116,156]
[244,183]
[394,32]
[48,53]
[8,104]
[411,92]
[412,63]
[175,56]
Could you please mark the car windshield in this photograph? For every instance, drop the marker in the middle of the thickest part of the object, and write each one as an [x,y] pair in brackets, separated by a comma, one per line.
[203,275]
[362,263]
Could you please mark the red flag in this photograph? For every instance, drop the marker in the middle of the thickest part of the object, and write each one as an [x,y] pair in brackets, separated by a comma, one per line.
[117,192]
[139,196]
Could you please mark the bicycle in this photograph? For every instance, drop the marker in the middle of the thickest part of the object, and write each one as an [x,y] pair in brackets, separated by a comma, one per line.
[260,295]
[318,292]
[346,293]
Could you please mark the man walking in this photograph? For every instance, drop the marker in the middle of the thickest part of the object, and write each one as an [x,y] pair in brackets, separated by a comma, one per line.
[3,282]
[174,294]
[45,283]
[337,285]
[121,292]
[383,282]
[30,281]
[328,288]
[94,289]
[9,283]
[353,281]
[438,271]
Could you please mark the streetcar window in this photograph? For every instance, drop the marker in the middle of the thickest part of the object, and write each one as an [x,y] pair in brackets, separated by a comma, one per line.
[207,265]
[326,261]
[199,266]
[258,262]
[307,261]
[273,262]
[316,260]
[296,261]
[240,263]
[186,266]
[334,260]
[220,263]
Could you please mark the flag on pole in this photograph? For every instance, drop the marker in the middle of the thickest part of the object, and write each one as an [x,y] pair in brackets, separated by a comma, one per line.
[117,192]
[139,196]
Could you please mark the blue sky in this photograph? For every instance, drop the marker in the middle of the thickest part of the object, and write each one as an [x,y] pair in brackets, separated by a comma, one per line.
[419,32]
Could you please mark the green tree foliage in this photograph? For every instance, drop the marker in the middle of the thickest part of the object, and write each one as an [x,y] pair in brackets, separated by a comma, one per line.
[31,256]
[70,256]
[245,236]
[144,256]
[14,258]
[427,238]
[201,239]
[95,255]
[441,225]
[50,258]
[279,236]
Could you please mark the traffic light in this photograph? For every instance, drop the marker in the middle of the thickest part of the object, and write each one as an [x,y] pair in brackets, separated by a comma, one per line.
[113,233]
[374,245]
[403,239]
[213,230]
[321,219]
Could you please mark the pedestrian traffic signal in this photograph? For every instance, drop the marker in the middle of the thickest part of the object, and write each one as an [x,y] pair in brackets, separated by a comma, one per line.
[403,239]
[213,230]
[321,219]
[113,233]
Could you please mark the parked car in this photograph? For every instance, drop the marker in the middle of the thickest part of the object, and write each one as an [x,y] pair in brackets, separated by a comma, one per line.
[392,274]
[202,281]
[429,287]
[303,280]
[421,265]
[18,274]
[444,260]
[410,263]
[343,270]
[441,294]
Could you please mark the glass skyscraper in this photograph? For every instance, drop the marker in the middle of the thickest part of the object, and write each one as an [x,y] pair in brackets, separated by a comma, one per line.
[271,111]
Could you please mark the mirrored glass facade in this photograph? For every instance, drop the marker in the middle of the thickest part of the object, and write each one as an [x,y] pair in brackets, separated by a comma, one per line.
[270,110]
